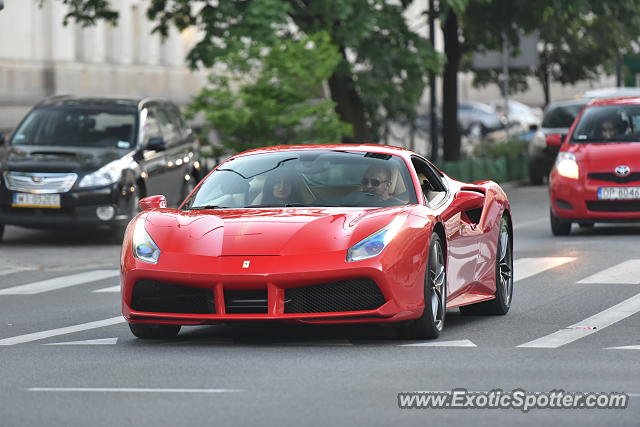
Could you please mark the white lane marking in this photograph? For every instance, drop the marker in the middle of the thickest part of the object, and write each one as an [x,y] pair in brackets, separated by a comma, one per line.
[588,326]
[5,272]
[627,272]
[101,341]
[454,343]
[518,225]
[626,347]
[135,390]
[20,339]
[527,267]
[109,289]
[59,282]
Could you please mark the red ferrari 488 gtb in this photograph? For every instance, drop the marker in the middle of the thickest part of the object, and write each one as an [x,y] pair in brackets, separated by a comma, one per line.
[319,234]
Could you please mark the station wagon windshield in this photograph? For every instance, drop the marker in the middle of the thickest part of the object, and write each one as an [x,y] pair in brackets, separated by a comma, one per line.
[79,127]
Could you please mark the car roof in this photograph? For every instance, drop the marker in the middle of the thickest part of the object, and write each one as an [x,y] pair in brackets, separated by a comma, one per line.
[365,148]
[630,100]
[568,102]
[105,102]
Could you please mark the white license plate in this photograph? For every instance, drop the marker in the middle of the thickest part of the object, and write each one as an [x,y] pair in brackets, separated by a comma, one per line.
[26,200]
[618,193]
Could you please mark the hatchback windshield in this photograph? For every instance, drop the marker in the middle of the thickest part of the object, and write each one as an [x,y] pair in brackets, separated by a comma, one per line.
[307,178]
[609,123]
[77,127]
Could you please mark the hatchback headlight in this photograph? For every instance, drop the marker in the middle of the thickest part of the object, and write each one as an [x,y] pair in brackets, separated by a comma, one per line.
[374,244]
[144,248]
[566,165]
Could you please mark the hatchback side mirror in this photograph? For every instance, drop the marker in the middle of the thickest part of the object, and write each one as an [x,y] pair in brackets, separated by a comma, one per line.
[156,144]
[153,202]
[554,140]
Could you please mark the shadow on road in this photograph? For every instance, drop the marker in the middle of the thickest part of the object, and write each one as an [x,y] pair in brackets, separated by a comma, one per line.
[15,236]
[284,334]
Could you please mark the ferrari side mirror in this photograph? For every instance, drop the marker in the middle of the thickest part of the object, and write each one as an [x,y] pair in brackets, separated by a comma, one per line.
[153,202]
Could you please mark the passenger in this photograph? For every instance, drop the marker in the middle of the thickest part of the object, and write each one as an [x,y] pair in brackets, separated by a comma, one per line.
[281,188]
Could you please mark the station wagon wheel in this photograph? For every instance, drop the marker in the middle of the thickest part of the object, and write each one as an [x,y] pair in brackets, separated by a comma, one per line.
[431,323]
[150,331]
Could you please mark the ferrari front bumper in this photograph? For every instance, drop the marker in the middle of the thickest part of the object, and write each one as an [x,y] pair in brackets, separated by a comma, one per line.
[323,289]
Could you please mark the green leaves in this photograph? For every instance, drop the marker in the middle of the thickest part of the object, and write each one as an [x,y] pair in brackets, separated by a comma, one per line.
[281,104]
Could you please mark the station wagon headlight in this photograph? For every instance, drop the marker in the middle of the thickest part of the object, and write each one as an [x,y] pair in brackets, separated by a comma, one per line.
[374,244]
[566,165]
[144,248]
[106,175]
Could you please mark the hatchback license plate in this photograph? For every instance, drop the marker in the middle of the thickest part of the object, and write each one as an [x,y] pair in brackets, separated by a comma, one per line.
[618,193]
[26,200]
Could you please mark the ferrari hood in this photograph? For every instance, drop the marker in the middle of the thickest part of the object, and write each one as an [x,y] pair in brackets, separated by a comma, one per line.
[264,231]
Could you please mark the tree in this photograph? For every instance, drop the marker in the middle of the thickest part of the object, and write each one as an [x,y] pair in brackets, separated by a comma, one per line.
[275,107]
[579,40]
[383,65]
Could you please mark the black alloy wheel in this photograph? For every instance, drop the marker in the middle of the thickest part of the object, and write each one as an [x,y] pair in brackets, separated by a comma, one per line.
[431,323]
[501,304]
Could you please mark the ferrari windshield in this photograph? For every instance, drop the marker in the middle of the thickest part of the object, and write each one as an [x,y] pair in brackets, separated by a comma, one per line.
[608,123]
[78,127]
[306,178]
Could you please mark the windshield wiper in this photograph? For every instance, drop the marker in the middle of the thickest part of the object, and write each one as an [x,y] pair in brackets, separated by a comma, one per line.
[196,208]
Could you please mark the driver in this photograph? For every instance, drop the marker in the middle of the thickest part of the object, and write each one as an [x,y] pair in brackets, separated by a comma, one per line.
[377,180]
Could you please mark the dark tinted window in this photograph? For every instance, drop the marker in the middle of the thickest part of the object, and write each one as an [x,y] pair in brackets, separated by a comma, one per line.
[77,127]
[311,178]
[609,123]
[561,116]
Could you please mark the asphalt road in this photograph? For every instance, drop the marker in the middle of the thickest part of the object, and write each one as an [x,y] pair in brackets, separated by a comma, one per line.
[575,298]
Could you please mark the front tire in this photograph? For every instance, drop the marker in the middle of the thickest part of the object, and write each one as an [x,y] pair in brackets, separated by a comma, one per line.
[501,304]
[431,323]
[559,228]
[149,331]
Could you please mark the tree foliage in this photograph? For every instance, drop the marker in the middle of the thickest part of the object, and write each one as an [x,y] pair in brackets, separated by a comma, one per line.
[579,39]
[382,68]
[274,107]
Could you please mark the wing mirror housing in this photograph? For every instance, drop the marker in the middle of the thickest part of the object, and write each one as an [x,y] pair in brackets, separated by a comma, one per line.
[156,144]
[153,202]
[554,140]
[467,200]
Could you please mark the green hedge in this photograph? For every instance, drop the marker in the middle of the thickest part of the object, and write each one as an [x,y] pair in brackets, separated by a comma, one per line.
[509,167]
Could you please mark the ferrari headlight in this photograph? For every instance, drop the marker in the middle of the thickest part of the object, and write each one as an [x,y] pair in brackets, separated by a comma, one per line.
[106,175]
[144,248]
[566,165]
[374,244]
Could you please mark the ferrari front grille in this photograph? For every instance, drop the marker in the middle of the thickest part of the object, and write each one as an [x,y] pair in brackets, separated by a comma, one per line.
[246,302]
[159,297]
[344,295]
[42,183]
[606,206]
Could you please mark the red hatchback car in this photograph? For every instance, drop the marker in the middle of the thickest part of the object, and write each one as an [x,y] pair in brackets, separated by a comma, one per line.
[596,177]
